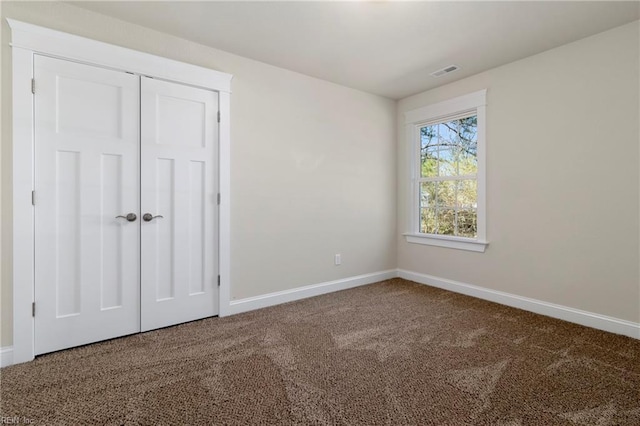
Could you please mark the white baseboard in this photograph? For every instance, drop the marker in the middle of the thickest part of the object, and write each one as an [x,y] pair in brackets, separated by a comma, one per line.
[271,299]
[6,356]
[589,319]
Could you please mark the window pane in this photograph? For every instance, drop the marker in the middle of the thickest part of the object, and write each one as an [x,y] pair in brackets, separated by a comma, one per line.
[429,162]
[428,137]
[468,223]
[447,165]
[467,129]
[446,221]
[428,194]
[446,194]
[467,194]
[467,161]
[447,135]
[429,151]
[428,221]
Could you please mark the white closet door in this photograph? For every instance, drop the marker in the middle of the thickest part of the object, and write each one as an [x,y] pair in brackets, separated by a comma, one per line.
[86,162]
[179,190]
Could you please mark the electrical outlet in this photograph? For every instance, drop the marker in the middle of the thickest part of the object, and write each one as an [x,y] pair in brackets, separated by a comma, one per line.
[338,259]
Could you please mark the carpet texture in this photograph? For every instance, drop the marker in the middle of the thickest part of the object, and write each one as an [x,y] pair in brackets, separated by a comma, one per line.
[391,353]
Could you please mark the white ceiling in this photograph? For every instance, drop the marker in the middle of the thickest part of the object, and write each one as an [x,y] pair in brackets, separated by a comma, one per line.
[387,48]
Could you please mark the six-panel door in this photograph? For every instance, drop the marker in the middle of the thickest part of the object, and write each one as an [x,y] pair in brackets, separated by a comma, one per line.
[91,268]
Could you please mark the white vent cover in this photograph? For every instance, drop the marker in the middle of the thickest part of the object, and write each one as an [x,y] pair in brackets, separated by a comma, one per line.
[445,70]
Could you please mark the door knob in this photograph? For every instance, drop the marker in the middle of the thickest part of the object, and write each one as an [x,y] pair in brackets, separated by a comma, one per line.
[148,217]
[131,217]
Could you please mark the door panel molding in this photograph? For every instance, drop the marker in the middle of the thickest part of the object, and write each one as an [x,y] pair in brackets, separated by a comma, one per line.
[87,172]
[179,153]
[28,40]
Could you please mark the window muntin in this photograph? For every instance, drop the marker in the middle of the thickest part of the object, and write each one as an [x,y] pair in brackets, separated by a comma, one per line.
[447,182]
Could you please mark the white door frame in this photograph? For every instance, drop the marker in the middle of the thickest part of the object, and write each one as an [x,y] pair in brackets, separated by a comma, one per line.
[28,40]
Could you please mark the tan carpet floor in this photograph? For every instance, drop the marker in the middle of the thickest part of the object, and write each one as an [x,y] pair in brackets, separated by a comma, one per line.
[390,353]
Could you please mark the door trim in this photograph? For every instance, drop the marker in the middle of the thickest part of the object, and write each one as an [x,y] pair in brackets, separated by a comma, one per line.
[28,40]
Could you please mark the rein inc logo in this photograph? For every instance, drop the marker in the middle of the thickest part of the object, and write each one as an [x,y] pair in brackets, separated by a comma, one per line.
[15,420]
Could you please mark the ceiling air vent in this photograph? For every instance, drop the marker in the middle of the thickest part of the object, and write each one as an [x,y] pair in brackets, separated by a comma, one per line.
[445,70]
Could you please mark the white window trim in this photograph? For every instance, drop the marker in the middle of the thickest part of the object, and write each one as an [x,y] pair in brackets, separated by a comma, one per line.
[415,119]
[28,40]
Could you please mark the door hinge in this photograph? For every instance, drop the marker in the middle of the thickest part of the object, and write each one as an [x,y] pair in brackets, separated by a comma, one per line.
[33,198]
[218,198]
[218,280]
[33,309]
[218,116]
[33,86]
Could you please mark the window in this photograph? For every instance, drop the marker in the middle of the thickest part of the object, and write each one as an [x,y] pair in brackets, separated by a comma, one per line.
[447,173]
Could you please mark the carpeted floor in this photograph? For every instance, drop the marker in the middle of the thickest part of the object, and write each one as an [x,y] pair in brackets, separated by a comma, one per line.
[391,353]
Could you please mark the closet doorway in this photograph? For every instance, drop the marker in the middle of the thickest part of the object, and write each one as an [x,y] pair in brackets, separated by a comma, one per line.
[125,203]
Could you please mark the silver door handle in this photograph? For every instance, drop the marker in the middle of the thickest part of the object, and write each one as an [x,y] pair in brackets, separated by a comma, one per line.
[131,217]
[148,217]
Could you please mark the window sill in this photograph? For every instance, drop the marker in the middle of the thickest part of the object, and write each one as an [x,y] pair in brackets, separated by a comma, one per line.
[458,243]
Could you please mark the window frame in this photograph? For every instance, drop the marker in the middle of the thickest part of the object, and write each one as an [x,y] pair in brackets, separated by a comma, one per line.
[472,104]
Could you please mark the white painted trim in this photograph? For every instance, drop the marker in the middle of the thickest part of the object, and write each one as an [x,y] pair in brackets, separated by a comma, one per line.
[28,40]
[414,120]
[447,241]
[6,356]
[23,215]
[577,316]
[481,174]
[224,235]
[277,298]
[55,43]
[448,107]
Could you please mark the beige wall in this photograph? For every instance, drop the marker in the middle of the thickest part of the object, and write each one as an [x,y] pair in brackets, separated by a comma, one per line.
[312,163]
[314,171]
[562,178]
